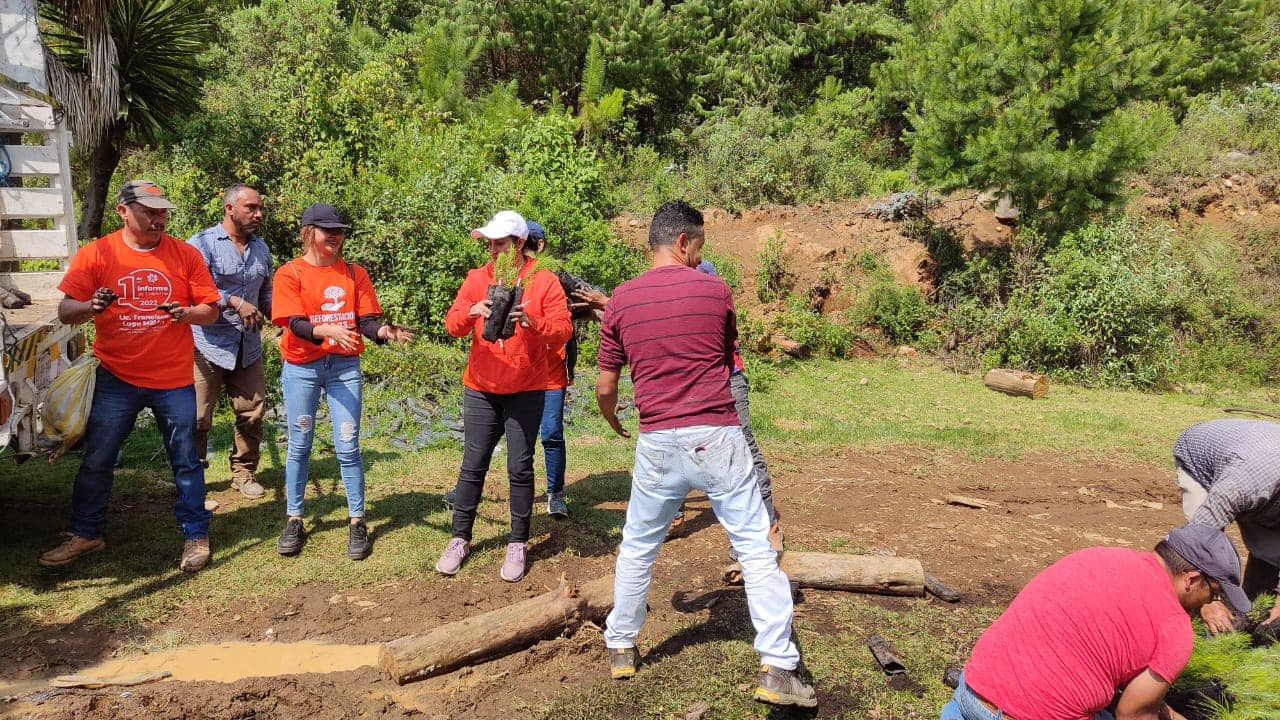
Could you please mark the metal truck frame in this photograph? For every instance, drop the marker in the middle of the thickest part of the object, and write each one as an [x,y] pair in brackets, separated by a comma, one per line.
[37,223]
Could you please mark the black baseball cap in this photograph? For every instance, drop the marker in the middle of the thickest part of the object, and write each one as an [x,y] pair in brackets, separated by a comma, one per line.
[1211,552]
[324,215]
[146,194]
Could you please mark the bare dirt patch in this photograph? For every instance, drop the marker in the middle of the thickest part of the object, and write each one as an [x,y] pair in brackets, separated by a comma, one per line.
[853,501]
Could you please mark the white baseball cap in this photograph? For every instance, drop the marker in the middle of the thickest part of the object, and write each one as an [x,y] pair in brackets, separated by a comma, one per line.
[503,224]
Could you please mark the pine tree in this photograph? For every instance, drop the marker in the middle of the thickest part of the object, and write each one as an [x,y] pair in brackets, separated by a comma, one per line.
[1045,100]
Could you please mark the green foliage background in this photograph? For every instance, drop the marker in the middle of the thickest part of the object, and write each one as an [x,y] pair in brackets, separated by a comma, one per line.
[422,119]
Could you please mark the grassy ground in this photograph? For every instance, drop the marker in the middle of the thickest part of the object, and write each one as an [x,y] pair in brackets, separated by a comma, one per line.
[799,409]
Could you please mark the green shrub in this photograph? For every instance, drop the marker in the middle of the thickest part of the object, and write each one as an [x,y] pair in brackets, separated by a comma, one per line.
[834,149]
[900,312]
[823,334]
[727,268]
[1123,303]
[1245,120]
[774,279]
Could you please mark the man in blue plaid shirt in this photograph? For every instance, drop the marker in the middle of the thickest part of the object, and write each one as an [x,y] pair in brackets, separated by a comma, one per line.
[1229,470]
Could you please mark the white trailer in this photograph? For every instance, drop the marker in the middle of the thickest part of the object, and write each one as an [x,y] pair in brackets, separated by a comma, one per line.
[37,230]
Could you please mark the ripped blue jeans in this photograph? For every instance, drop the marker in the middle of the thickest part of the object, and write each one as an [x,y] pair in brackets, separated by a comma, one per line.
[340,378]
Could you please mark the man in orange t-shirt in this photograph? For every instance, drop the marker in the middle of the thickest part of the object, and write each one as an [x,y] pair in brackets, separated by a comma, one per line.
[143,290]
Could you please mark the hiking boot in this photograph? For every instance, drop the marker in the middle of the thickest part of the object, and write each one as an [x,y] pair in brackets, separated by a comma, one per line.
[358,543]
[622,662]
[195,555]
[290,542]
[451,559]
[448,498]
[556,506]
[513,566]
[784,687]
[249,487]
[70,550]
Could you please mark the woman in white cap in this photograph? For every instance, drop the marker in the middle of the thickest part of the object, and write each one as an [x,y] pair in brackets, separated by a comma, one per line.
[325,305]
[504,387]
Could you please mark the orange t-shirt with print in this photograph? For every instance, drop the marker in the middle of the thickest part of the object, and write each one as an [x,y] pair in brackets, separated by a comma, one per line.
[337,294]
[134,340]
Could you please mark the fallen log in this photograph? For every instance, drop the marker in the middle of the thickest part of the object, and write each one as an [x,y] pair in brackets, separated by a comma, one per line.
[1017,382]
[795,349]
[855,573]
[497,632]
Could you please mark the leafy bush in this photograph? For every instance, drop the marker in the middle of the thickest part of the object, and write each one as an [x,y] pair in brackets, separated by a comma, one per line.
[1123,303]
[900,312]
[774,279]
[824,334]
[833,149]
[1246,120]
[727,268]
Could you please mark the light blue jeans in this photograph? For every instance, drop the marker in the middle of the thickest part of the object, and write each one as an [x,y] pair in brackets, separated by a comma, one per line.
[965,705]
[340,378]
[716,460]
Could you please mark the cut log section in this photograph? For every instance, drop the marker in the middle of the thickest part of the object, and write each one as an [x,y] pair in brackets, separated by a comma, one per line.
[795,349]
[1017,382]
[497,632]
[855,573]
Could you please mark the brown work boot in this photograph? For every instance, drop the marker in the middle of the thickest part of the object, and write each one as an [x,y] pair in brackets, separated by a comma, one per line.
[248,486]
[70,550]
[784,687]
[195,555]
[623,662]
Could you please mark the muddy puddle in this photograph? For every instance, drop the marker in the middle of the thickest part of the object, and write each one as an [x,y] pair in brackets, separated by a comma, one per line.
[222,662]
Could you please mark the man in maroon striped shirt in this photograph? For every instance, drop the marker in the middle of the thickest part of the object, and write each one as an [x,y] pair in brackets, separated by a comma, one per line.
[676,327]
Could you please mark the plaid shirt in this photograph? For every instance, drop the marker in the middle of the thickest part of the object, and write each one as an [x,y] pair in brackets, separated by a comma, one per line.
[1238,463]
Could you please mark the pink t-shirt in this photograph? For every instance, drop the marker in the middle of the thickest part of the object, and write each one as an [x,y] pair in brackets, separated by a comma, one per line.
[1082,628]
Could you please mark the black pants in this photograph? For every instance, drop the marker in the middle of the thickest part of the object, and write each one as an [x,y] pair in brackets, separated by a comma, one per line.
[485,417]
[1259,576]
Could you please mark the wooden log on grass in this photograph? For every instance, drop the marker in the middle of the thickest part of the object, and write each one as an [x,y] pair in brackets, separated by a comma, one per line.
[855,573]
[795,349]
[497,632]
[1017,383]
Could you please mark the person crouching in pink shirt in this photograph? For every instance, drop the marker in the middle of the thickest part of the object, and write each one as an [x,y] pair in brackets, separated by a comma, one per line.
[1099,620]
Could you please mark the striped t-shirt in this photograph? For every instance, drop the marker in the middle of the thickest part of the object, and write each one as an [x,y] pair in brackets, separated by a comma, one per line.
[675,327]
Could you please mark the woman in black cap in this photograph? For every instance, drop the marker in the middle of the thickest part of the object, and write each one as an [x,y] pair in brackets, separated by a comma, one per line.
[325,305]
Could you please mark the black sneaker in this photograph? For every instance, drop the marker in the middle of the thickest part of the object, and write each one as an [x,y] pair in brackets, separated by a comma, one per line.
[448,498]
[290,542]
[358,544]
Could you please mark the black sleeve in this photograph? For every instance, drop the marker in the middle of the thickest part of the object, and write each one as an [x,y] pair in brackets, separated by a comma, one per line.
[303,328]
[369,327]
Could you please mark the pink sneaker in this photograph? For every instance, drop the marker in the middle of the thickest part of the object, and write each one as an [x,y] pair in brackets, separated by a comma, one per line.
[513,567]
[451,559]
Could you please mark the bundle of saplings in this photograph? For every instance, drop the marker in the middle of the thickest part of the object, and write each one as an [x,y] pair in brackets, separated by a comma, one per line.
[1233,676]
[505,294]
